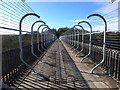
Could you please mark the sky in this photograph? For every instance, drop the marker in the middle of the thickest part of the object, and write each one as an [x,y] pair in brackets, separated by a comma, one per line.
[58,14]
[64,14]
[68,14]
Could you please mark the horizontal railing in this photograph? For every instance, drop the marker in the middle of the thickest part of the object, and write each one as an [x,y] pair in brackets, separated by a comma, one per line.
[112,58]
[18,24]
[102,47]
[13,68]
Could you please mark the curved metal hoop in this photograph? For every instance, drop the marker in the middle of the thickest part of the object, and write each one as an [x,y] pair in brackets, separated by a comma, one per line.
[20,39]
[104,41]
[32,36]
[44,35]
[41,36]
[77,36]
[90,40]
[82,38]
[38,38]
[20,45]
[45,39]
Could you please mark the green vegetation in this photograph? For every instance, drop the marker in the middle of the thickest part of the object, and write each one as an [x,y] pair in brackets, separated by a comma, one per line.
[61,30]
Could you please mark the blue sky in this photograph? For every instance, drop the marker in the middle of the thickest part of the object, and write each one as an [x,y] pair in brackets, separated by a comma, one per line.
[59,14]
[64,14]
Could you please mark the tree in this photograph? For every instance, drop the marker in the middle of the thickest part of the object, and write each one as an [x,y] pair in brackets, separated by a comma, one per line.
[61,30]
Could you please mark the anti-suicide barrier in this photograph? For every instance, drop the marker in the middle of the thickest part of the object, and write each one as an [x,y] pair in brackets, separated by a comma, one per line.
[102,53]
[17,61]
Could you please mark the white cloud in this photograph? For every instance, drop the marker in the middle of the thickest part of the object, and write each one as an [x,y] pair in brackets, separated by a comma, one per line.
[78,20]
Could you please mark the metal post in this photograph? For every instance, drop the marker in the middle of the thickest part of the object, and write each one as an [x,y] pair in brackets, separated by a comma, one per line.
[32,36]
[90,40]
[104,41]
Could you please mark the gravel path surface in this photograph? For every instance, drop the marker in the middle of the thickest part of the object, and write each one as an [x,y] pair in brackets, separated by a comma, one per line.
[59,67]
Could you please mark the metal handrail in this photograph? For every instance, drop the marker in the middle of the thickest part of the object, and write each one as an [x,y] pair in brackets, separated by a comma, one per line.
[11,29]
[90,40]
[104,41]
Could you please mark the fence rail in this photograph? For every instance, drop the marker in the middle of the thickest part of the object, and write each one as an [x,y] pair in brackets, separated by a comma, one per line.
[112,58]
[22,49]
[103,48]
[18,62]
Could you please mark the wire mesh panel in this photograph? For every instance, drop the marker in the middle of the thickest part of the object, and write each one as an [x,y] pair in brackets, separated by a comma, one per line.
[11,12]
[112,60]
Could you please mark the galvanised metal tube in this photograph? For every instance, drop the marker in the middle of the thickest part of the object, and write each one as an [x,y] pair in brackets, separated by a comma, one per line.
[38,38]
[44,37]
[45,40]
[82,38]
[20,39]
[90,40]
[77,37]
[42,34]
[104,41]
[72,30]
[32,36]
[51,37]
[74,38]
[20,45]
